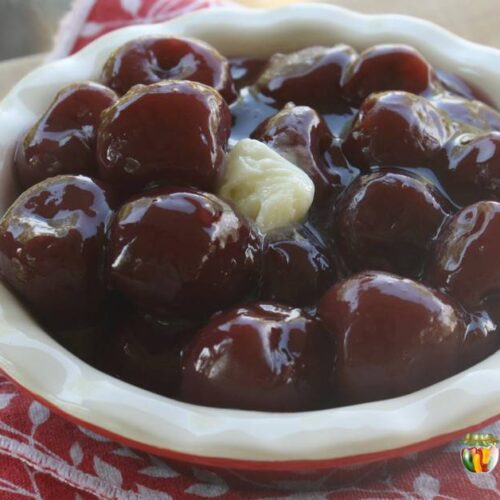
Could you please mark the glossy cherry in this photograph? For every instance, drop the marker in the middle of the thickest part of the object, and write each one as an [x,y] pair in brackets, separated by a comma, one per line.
[295,270]
[153,59]
[392,336]
[147,351]
[387,221]
[88,339]
[175,251]
[262,357]
[134,292]
[471,170]
[387,67]
[246,70]
[301,135]
[396,129]
[51,244]
[63,140]
[482,337]
[465,260]
[174,132]
[310,77]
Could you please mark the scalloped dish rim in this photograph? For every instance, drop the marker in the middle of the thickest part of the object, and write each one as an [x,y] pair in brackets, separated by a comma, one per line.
[237,438]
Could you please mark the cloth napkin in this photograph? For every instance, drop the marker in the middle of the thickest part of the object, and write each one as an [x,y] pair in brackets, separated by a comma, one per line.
[44,456]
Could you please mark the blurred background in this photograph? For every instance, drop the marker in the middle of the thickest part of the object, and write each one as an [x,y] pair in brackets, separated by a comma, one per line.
[28,26]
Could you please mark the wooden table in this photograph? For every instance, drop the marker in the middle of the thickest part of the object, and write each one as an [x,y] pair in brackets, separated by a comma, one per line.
[476,20]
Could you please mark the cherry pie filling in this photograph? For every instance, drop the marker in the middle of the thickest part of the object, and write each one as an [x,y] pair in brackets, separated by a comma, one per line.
[317,229]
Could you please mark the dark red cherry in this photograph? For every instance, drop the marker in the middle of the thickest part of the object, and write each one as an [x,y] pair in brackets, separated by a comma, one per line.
[148,350]
[245,70]
[396,129]
[153,59]
[87,340]
[388,221]
[301,135]
[471,170]
[177,251]
[51,243]
[295,270]
[387,67]
[482,337]
[63,140]
[174,132]
[469,112]
[310,77]
[392,336]
[263,357]
[465,261]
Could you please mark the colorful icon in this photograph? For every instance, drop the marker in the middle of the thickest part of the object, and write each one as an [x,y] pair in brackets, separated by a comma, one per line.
[479,452]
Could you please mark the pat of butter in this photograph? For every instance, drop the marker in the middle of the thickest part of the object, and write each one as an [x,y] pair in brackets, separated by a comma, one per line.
[266,187]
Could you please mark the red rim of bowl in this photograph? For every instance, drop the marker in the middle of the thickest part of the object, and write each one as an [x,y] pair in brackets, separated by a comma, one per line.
[259,465]
[281,465]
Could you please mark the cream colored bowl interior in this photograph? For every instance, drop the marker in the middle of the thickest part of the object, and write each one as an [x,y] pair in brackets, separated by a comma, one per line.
[42,366]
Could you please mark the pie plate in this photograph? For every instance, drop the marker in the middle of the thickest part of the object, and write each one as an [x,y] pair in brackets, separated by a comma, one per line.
[330,446]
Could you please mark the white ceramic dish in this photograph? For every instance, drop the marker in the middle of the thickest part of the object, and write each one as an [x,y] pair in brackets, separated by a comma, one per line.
[239,438]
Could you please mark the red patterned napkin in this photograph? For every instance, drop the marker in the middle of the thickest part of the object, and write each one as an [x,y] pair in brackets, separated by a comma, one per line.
[44,456]
[89,19]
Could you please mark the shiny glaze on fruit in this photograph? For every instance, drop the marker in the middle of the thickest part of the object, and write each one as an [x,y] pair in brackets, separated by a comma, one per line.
[150,60]
[464,261]
[474,113]
[396,129]
[183,252]
[482,337]
[296,270]
[260,356]
[63,141]
[174,132]
[389,220]
[166,299]
[51,247]
[387,67]
[392,336]
[245,70]
[309,77]
[470,172]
